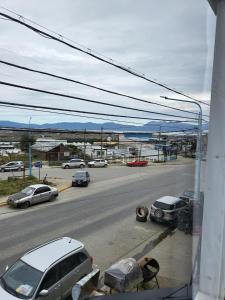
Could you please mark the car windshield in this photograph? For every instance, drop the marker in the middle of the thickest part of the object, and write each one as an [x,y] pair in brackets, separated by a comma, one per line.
[162,205]
[21,280]
[28,191]
[79,175]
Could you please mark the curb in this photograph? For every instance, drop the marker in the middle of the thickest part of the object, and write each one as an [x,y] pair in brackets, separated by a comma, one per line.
[62,189]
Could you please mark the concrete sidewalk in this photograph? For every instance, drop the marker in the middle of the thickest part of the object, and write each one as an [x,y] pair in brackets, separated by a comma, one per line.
[174,255]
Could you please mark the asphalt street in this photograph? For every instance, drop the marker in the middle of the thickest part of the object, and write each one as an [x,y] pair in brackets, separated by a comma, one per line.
[102,215]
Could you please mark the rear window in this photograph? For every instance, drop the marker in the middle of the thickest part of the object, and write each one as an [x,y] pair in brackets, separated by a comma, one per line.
[164,206]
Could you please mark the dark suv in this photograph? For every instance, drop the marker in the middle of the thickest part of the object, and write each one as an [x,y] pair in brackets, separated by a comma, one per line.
[81,178]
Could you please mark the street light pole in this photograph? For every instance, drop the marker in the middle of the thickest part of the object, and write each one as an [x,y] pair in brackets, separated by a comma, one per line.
[30,153]
[198,158]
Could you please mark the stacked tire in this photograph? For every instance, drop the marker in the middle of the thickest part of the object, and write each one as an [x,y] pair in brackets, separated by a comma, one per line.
[142,214]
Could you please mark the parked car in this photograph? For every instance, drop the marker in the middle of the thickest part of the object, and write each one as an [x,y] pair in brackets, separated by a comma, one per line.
[165,209]
[137,163]
[12,166]
[98,162]
[33,194]
[81,178]
[47,272]
[74,163]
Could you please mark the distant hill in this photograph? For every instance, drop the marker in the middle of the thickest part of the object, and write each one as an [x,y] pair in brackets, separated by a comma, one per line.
[151,126]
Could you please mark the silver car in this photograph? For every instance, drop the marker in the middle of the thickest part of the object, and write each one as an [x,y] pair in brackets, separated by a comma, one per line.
[74,163]
[47,272]
[33,194]
[98,163]
[12,166]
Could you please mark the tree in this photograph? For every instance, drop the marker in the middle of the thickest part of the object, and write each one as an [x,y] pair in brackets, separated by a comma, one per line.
[24,141]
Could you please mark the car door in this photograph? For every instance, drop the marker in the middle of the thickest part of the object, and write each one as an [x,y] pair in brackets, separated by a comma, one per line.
[40,195]
[51,282]
[72,269]
[45,193]
[10,166]
[73,163]
[97,163]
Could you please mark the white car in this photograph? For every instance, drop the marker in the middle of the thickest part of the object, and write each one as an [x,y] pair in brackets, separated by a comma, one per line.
[74,163]
[12,166]
[98,162]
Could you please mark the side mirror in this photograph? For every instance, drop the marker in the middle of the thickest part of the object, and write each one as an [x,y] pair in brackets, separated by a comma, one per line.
[6,268]
[43,293]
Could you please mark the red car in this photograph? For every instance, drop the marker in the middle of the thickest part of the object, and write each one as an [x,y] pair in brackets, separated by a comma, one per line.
[137,163]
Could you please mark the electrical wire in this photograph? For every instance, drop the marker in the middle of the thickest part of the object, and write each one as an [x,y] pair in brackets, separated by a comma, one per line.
[88,112]
[68,114]
[92,86]
[61,38]
[91,101]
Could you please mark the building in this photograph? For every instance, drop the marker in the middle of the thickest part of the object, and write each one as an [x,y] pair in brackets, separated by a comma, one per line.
[50,152]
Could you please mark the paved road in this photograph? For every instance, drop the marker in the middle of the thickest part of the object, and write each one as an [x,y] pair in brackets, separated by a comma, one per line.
[102,215]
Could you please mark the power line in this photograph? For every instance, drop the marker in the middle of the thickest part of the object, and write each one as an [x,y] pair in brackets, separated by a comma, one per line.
[68,114]
[90,101]
[93,86]
[89,52]
[88,112]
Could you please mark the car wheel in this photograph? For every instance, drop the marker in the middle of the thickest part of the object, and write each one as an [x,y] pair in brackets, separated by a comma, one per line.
[2,170]
[73,184]
[81,166]
[52,198]
[159,213]
[25,205]
[152,219]
[142,213]
[67,167]
[105,166]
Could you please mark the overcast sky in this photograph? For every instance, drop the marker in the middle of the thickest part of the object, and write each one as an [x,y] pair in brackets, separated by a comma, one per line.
[171,41]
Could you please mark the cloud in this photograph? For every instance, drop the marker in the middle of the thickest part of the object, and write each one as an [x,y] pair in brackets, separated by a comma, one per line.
[166,40]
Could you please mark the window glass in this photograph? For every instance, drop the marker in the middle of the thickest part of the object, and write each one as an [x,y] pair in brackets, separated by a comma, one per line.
[70,263]
[21,280]
[162,205]
[50,278]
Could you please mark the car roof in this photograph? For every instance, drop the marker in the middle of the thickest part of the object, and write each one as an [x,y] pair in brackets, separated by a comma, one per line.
[168,200]
[35,186]
[80,172]
[42,257]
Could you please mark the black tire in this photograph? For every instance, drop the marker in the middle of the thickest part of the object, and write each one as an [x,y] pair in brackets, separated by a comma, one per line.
[73,184]
[52,198]
[151,218]
[82,166]
[141,219]
[67,167]
[142,213]
[25,205]
[105,166]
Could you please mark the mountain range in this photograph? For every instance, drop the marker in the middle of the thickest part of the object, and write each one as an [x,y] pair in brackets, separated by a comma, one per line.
[151,126]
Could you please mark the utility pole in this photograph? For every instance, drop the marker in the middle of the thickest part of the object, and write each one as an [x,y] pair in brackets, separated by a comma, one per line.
[198,148]
[84,143]
[101,140]
[159,135]
[30,151]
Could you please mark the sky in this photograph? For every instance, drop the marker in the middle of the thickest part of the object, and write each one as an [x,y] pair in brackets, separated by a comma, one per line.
[170,41]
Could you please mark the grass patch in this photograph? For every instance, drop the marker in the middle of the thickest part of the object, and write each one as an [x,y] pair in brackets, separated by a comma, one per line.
[15,184]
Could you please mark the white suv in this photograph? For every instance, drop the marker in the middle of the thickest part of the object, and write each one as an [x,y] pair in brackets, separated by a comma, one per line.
[98,162]
[165,209]
[47,272]
[74,163]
